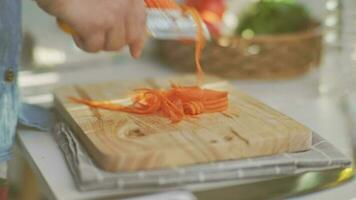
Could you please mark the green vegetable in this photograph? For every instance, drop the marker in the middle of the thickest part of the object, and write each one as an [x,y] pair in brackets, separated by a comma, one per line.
[273,17]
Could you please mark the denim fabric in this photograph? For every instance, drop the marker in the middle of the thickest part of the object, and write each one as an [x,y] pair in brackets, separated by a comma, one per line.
[11,110]
[10,44]
[36,117]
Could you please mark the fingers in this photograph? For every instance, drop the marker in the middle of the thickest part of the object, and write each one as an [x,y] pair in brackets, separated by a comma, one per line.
[136,48]
[91,43]
[136,28]
[113,32]
[115,38]
[78,41]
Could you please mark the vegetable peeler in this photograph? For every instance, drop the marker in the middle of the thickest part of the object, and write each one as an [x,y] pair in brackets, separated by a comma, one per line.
[165,24]
[171,24]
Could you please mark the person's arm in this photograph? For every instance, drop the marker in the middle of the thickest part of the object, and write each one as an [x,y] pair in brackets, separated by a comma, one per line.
[102,25]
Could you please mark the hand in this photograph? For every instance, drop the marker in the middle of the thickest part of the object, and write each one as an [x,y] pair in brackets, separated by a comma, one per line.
[102,25]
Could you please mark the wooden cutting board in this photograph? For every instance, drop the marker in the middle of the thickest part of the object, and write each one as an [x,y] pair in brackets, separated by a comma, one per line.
[121,141]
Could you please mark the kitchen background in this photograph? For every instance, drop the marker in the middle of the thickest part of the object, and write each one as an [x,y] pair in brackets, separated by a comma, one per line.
[47,49]
[48,52]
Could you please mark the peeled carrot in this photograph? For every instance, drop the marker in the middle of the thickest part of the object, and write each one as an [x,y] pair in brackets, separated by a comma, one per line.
[177,102]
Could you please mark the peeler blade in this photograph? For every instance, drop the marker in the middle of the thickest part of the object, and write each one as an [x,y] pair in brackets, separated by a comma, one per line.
[172,25]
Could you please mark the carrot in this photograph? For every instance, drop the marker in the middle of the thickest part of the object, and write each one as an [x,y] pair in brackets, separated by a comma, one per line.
[178,102]
[199,41]
[162,4]
[175,103]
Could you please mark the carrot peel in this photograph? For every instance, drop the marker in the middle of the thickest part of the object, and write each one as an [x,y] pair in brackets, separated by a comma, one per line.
[175,104]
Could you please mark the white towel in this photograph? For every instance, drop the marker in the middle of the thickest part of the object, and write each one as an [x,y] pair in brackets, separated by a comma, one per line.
[88,176]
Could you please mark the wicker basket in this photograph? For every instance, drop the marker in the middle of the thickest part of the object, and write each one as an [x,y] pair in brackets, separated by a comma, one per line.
[262,57]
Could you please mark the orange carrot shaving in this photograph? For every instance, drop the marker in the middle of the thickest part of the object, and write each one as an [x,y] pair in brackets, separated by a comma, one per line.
[162,4]
[199,41]
[177,102]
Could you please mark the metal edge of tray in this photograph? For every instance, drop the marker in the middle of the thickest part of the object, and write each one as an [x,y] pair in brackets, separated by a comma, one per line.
[277,188]
[283,187]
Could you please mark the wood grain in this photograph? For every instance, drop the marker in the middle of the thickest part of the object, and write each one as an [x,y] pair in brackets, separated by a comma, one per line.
[127,142]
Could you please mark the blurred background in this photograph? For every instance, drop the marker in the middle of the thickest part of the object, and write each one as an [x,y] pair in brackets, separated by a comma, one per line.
[266,41]
[248,36]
